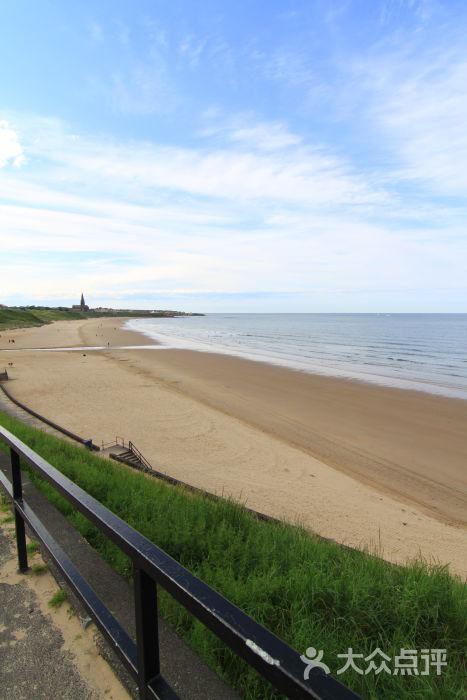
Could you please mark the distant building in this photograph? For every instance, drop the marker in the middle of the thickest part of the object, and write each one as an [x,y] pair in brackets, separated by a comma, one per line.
[82,306]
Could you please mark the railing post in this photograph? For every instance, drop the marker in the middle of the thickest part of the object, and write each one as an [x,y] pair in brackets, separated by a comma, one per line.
[147,632]
[19,522]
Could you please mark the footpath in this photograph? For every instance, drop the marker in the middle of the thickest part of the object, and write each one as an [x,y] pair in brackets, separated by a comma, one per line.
[34,660]
[56,653]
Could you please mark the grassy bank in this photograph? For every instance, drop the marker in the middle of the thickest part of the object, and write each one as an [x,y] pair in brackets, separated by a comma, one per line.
[308,591]
[29,316]
[34,316]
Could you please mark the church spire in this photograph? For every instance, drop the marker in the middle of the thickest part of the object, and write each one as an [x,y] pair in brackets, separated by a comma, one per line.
[82,306]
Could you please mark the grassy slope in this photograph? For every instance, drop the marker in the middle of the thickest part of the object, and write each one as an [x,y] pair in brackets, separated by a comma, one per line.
[22,318]
[306,590]
[11,318]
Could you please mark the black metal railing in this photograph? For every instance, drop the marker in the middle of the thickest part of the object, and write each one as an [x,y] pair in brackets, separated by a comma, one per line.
[272,658]
[134,450]
[118,442]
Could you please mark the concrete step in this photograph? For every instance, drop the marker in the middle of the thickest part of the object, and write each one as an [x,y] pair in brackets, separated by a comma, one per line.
[130,458]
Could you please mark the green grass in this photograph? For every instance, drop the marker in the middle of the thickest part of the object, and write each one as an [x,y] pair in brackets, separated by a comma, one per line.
[32,547]
[38,569]
[58,599]
[307,591]
[5,504]
[34,316]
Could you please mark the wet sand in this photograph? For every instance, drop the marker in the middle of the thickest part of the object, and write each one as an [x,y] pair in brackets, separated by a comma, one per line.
[366,465]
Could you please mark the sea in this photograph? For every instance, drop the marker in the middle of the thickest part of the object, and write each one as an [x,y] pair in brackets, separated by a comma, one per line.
[425,352]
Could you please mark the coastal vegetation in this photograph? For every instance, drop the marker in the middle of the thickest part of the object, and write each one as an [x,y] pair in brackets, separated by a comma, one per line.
[308,591]
[27,316]
[58,598]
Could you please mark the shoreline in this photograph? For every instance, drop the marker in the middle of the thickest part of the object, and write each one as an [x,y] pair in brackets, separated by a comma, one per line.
[196,365]
[336,371]
[352,461]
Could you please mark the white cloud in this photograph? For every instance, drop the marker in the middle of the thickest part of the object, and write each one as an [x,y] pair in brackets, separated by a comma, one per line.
[400,96]
[426,116]
[307,176]
[267,137]
[88,214]
[11,151]
[247,133]
[421,105]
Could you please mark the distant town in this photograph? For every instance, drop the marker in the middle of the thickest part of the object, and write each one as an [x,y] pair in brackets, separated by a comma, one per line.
[31,315]
[83,307]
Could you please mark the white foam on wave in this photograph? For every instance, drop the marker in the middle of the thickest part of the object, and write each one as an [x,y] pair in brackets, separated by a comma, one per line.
[385,376]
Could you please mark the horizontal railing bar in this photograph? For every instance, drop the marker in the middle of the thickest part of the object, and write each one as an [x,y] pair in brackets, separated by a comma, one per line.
[161,690]
[119,639]
[272,658]
[7,485]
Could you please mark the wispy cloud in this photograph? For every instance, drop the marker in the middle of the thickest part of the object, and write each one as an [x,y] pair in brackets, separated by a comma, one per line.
[209,219]
[11,151]
[307,175]
[143,88]
[316,149]
[191,48]
[330,164]
[421,106]
[138,80]
[250,134]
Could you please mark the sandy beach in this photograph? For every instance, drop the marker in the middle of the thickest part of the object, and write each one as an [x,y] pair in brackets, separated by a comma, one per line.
[368,466]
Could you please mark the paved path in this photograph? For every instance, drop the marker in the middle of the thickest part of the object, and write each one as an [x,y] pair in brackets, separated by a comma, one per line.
[33,663]
[181,667]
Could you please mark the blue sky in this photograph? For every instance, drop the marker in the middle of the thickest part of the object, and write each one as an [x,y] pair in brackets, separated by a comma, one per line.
[234,156]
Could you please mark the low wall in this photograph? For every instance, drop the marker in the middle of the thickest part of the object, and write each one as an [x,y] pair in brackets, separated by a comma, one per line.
[83,441]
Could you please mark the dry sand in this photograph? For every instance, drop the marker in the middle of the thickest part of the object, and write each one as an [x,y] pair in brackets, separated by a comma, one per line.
[365,465]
